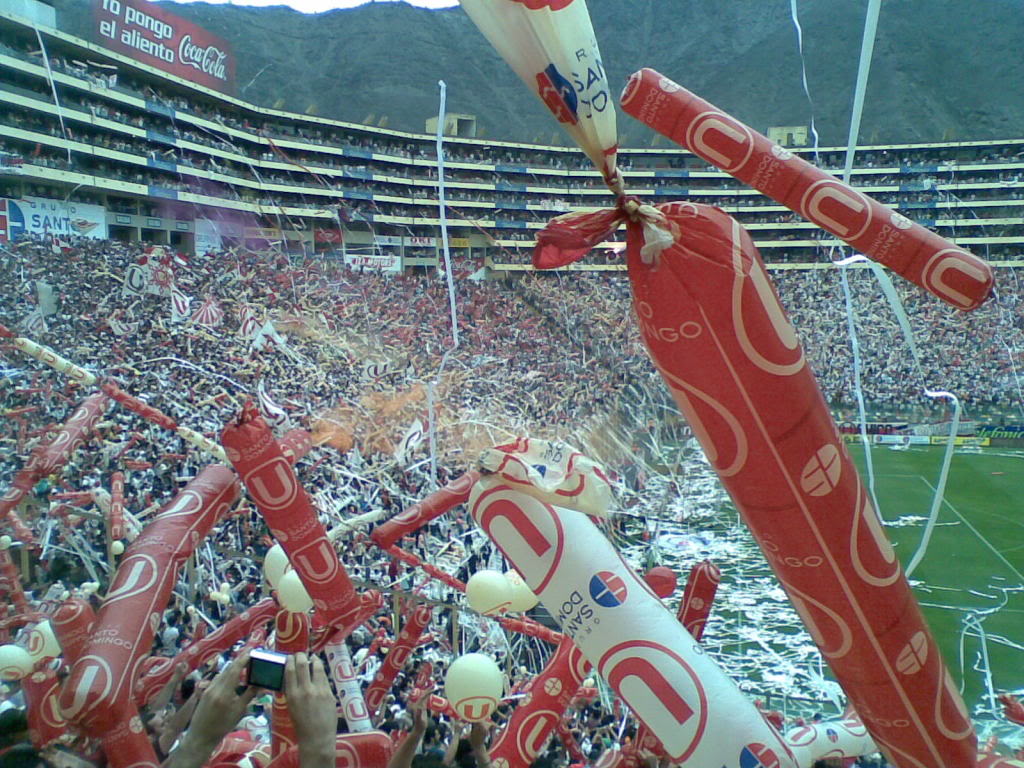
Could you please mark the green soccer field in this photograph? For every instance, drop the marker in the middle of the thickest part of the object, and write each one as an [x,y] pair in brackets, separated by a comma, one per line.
[975,560]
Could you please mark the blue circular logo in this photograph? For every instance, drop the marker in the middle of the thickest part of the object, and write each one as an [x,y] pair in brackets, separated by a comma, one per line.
[758,756]
[607,589]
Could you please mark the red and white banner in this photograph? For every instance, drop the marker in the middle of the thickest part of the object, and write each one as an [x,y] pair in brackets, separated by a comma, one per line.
[327,235]
[209,313]
[553,472]
[274,414]
[372,749]
[552,47]
[698,597]
[248,324]
[374,262]
[153,35]
[72,625]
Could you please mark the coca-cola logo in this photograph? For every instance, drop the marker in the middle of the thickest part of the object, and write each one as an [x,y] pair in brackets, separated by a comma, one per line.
[210,60]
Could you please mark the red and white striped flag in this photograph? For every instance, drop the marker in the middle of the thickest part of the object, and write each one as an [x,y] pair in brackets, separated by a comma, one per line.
[209,313]
[275,415]
[248,325]
[180,304]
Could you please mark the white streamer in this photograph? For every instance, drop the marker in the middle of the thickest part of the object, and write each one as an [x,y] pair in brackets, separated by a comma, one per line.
[53,89]
[442,215]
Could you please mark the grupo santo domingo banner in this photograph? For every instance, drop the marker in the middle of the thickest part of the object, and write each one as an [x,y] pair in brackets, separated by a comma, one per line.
[42,216]
[151,35]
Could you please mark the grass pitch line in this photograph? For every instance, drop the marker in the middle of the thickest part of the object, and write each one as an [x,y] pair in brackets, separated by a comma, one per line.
[976,532]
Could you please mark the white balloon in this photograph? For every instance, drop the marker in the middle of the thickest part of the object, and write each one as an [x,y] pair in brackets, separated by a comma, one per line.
[275,564]
[523,598]
[292,594]
[489,593]
[42,643]
[117,547]
[474,686]
[5,541]
[15,662]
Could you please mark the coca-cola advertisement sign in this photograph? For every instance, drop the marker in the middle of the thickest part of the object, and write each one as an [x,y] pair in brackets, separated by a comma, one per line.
[151,35]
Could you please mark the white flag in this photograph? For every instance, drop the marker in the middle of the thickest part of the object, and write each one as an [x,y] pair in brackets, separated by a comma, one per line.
[136,280]
[267,336]
[413,437]
[34,323]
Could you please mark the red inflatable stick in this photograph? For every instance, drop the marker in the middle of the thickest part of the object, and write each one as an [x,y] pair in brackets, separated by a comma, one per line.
[572,747]
[716,331]
[371,749]
[295,444]
[71,436]
[97,695]
[127,745]
[202,650]
[9,502]
[439,705]
[46,722]
[132,403]
[72,625]
[698,597]
[396,658]
[430,508]
[117,506]
[370,602]
[952,274]
[288,510]
[291,633]
[540,712]
[11,581]
[49,459]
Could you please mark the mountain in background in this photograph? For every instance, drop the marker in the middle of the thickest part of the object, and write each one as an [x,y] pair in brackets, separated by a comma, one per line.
[942,69]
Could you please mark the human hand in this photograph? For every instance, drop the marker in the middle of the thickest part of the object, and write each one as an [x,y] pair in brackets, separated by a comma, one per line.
[221,706]
[478,736]
[420,716]
[312,706]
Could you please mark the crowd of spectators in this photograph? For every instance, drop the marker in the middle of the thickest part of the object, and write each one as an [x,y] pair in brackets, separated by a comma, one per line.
[540,356]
